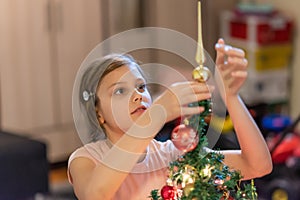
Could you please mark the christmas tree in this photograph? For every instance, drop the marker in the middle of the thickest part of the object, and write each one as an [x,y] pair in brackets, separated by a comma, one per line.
[199,173]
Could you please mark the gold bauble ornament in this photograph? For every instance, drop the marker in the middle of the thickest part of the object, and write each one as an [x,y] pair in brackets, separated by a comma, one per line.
[201,74]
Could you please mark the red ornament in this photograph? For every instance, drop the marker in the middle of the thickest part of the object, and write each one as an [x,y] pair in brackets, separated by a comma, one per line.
[168,192]
[184,138]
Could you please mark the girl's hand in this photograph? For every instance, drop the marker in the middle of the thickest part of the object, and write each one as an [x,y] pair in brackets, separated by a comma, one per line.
[231,68]
[176,98]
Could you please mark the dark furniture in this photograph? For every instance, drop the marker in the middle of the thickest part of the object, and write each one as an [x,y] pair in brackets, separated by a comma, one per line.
[23,167]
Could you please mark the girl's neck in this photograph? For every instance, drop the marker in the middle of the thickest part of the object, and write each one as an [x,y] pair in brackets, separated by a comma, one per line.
[113,135]
[113,138]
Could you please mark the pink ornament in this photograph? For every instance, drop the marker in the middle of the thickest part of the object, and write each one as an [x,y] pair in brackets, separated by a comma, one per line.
[184,138]
[168,192]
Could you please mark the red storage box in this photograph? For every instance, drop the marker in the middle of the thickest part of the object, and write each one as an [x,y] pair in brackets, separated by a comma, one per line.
[262,30]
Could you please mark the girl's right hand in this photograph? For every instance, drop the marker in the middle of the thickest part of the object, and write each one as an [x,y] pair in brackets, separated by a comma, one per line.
[176,98]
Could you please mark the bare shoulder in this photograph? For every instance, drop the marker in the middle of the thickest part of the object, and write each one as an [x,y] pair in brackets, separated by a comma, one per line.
[79,169]
[80,161]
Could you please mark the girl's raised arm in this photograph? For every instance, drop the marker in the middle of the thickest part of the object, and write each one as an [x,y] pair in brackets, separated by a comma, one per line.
[253,160]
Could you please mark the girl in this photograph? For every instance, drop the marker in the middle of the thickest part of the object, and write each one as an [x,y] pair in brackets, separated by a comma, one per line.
[128,163]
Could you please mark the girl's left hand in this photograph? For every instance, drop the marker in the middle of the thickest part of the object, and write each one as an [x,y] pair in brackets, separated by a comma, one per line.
[232,67]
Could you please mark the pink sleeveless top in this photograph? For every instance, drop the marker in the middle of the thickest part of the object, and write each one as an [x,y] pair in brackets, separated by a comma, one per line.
[147,175]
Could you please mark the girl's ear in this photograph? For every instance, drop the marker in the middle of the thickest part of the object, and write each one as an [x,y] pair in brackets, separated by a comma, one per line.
[100,117]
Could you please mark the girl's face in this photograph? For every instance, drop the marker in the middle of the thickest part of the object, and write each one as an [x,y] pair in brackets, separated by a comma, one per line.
[123,98]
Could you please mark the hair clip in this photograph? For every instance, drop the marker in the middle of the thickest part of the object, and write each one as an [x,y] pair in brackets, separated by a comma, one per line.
[86,95]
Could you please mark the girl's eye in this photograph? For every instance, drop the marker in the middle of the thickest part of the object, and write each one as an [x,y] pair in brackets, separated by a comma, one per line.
[119,91]
[142,87]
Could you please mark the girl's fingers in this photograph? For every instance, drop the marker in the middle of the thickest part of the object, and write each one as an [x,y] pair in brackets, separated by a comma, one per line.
[234,52]
[220,54]
[184,100]
[203,89]
[233,64]
[197,89]
[239,74]
[229,50]
[238,63]
[187,96]
[228,54]
[188,88]
[192,110]
[177,98]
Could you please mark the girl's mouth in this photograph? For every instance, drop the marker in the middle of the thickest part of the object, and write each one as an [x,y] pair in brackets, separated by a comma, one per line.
[139,109]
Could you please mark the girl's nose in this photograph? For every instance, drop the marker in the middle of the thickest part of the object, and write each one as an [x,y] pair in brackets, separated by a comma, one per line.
[137,96]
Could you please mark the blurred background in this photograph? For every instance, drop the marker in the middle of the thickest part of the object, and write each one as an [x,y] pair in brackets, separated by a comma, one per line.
[43,43]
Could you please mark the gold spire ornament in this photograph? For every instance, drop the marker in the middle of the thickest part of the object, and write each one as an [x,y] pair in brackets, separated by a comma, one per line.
[200,73]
